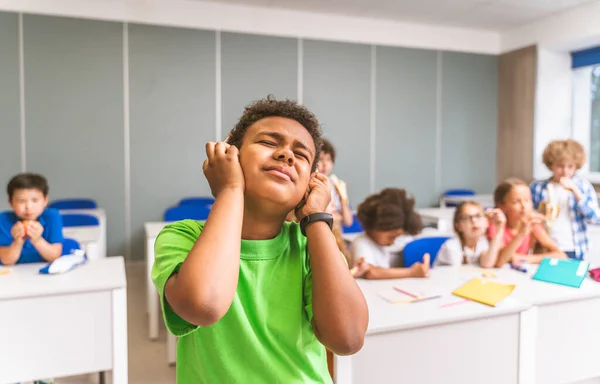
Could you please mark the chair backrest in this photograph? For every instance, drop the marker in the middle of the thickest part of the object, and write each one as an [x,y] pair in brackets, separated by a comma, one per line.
[205,200]
[73,204]
[355,227]
[459,192]
[182,212]
[79,220]
[69,245]
[415,250]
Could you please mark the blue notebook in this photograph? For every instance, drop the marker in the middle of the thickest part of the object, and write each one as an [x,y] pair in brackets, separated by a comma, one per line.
[562,271]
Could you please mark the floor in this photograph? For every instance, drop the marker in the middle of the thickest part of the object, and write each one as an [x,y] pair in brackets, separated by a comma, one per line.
[147,359]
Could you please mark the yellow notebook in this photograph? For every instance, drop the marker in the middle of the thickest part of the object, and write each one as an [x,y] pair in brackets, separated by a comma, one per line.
[484,291]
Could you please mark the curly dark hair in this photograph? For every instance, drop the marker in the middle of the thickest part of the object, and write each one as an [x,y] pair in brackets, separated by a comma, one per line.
[27,181]
[269,107]
[390,209]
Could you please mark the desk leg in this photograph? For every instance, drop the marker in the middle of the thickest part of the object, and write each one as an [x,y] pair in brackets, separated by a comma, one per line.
[171,349]
[527,345]
[119,344]
[102,378]
[342,372]
[151,295]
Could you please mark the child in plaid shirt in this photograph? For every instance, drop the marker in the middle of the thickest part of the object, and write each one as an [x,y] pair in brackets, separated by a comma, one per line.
[568,201]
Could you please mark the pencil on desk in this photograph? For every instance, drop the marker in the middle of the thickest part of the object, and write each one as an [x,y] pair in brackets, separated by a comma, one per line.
[405,292]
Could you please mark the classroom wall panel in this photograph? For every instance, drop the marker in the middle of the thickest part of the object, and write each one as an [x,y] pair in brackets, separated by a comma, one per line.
[74,107]
[252,68]
[469,119]
[10,138]
[337,84]
[172,106]
[406,122]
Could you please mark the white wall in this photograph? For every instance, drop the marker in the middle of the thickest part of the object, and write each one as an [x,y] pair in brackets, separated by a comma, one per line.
[267,21]
[576,29]
[553,104]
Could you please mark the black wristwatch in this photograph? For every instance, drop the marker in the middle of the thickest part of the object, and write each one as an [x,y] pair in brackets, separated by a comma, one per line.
[313,217]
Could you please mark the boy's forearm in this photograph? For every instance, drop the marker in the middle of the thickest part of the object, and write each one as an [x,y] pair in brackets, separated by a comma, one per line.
[205,286]
[378,273]
[11,254]
[347,216]
[49,252]
[339,307]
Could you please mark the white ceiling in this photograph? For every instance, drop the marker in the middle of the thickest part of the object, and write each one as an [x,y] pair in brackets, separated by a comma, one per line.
[495,15]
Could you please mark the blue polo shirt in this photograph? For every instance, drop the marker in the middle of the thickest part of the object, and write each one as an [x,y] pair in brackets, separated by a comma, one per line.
[50,219]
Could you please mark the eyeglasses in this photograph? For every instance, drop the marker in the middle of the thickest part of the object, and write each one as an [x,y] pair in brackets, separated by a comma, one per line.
[467,218]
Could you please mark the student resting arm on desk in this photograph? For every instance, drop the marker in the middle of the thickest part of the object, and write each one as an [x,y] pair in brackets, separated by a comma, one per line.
[524,228]
[385,216]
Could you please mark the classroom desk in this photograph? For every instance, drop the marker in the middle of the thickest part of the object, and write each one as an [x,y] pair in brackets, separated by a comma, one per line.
[423,343]
[566,337]
[441,217]
[89,237]
[486,200]
[568,332]
[63,325]
[101,215]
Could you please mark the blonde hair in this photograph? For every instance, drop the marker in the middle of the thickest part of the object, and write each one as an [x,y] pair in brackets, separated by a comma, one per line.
[457,215]
[504,189]
[560,150]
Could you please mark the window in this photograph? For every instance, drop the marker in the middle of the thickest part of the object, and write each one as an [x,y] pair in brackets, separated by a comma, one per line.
[586,117]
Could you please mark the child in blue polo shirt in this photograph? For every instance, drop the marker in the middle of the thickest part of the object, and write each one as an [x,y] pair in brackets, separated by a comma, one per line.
[30,233]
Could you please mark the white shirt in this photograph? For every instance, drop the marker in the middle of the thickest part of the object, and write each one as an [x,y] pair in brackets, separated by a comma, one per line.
[561,229]
[364,247]
[451,252]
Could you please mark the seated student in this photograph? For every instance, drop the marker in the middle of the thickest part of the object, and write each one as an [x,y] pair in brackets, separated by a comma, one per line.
[568,201]
[385,216]
[339,206]
[524,230]
[471,245]
[30,233]
[253,298]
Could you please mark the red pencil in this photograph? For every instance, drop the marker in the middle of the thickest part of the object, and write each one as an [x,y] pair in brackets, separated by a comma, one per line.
[405,292]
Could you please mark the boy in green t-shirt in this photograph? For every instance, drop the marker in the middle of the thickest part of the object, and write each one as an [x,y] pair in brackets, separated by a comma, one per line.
[251,297]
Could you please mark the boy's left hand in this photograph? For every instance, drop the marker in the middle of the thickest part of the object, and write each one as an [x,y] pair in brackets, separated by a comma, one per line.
[317,197]
[34,231]
[568,184]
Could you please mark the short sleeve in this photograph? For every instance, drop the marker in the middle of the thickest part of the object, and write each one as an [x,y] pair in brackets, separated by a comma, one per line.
[53,232]
[449,254]
[5,227]
[171,248]
[361,248]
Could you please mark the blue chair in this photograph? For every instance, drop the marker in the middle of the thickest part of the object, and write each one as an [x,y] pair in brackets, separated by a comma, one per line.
[457,192]
[79,220]
[356,227]
[415,250]
[69,245]
[207,200]
[73,204]
[182,212]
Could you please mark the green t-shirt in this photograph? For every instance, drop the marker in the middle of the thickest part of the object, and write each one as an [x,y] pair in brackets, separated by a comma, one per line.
[266,335]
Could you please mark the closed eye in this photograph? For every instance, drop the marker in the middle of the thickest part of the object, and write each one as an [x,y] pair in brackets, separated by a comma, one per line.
[267,143]
[304,156]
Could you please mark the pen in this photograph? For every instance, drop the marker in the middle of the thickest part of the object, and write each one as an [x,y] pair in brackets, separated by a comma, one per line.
[405,292]
[518,268]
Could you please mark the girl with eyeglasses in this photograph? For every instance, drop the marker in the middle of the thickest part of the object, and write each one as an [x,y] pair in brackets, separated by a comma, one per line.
[471,246]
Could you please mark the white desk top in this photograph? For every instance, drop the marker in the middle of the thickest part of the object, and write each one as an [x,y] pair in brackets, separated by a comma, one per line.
[153,228]
[527,290]
[437,213]
[85,234]
[96,275]
[385,316]
[98,212]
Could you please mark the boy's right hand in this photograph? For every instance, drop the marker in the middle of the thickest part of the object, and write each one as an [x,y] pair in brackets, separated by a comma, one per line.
[222,167]
[18,232]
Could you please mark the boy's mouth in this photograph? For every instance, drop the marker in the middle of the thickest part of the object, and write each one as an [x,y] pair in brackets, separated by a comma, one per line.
[279,172]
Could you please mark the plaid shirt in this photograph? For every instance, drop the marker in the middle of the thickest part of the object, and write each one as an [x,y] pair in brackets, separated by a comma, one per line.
[583,212]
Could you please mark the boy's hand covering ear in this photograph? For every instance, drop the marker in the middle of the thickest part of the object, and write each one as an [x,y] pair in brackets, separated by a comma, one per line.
[222,167]
[317,197]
